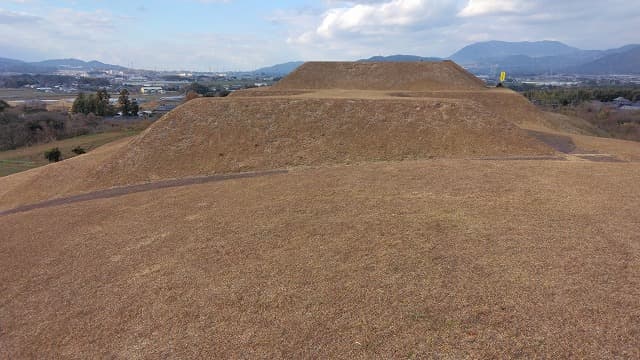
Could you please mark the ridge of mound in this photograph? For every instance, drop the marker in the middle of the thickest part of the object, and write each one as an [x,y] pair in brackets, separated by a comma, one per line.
[444,75]
[246,134]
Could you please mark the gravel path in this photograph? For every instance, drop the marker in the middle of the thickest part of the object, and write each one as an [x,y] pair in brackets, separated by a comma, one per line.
[125,190]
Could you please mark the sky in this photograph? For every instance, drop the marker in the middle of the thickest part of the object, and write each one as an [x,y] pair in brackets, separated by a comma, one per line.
[224,35]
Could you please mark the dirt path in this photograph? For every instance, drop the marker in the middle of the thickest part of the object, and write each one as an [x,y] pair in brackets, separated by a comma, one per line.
[125,190]
[560,143]
[520,158]
[565,145]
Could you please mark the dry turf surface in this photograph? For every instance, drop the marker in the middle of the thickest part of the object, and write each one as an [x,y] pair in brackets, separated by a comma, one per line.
[439,258]
[423,76]
[209,136]
[408,222]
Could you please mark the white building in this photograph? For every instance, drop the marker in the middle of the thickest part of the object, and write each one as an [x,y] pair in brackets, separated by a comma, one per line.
[152,90]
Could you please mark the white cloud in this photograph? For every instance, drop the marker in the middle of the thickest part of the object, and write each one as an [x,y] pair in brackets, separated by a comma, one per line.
[61,32]
[218,52]
[348,29]
[371,18]
[11,17]
[326,30]
[491,7]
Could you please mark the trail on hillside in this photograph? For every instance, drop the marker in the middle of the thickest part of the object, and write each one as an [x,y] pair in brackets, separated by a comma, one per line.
[126,190]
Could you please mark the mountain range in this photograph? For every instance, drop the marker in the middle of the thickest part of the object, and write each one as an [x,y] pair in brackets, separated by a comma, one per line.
[528,58]
[482,58]
[625,62]
[533,58]
[47,66]
[280,69]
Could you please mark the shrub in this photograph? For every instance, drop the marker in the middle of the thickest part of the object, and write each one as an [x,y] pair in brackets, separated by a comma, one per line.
[53,155]
[191,95]
[78,150]
[197,88]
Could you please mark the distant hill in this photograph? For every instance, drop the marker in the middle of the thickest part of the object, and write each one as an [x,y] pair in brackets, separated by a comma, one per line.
[527,65]
[533,58]
[399,58]
[621,49]
[626,62]
[519,58]
[77,64]
[500,49]
[9,62]
[483,58]
[8,65]
[280,69]
[18,66]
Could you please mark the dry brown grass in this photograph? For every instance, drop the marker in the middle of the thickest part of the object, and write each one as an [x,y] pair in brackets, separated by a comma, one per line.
[218,135]
[421,76]
[441,258]
[230,135]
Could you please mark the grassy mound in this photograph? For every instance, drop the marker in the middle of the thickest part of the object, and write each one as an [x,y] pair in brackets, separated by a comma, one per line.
[417,76]
[217,136]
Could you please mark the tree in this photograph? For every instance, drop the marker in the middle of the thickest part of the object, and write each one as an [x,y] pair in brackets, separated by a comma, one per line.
[218,92]
[53,155]
[97,103]
[124,102]
[135,108]
[126,106]
[191,95]
[4,105]
[80,104]
[102,103]
[198,88]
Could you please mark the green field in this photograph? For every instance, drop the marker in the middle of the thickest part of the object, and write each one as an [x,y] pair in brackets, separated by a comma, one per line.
[31,94]
[21,159]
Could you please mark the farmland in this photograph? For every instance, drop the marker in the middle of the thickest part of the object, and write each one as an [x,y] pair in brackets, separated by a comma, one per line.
[13,161]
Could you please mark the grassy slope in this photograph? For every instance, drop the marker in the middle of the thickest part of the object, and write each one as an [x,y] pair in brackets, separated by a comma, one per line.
[13,161]
[246,134]
[380,76]
[417,259]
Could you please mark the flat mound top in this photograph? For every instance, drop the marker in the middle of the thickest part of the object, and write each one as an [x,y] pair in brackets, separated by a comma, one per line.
[416,76]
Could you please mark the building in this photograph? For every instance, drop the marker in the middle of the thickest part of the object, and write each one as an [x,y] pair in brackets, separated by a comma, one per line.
[165,108]
[152,90]
[620,101]
[632,107]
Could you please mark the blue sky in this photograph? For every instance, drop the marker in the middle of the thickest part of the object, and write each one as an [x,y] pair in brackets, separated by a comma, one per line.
[242,35]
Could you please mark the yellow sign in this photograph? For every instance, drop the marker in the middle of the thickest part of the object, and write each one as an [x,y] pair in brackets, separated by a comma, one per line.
[503,76]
